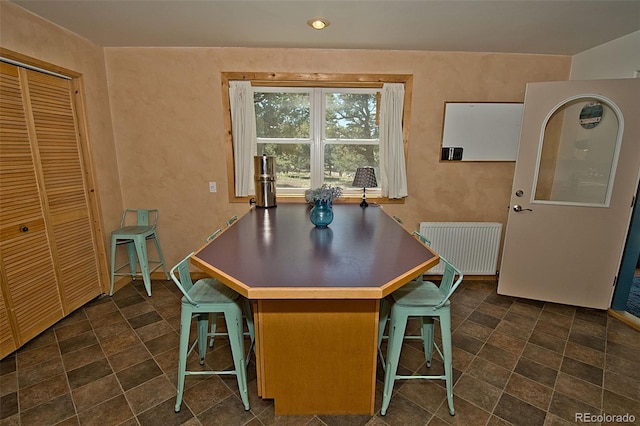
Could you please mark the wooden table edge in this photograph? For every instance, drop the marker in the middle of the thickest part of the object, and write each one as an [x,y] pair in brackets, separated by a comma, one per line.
[315,292]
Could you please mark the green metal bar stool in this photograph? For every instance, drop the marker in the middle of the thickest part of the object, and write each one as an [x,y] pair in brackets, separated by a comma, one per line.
[385,304]
[135,238]
[198,302]
[246,311]
[427,301]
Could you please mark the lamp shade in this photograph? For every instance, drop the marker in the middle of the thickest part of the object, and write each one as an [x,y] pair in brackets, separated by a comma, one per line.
[365,178]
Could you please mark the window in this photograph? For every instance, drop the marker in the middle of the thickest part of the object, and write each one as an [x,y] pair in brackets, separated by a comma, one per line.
[578,155]
[320,127]
[317,135]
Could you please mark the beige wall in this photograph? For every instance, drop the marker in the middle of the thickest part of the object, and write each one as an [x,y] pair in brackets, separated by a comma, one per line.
[166,109]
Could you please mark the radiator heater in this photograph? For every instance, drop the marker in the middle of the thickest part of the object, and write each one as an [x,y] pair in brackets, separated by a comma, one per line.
[471,246]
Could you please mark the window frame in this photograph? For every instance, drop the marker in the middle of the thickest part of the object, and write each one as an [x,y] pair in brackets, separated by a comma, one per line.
[311,81]
[318,139]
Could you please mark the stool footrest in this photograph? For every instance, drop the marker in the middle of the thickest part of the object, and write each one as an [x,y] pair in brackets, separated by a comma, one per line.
[121,267]
[210,372]
[421,377]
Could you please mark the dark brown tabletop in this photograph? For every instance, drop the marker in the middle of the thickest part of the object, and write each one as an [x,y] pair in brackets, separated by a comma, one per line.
[277,253]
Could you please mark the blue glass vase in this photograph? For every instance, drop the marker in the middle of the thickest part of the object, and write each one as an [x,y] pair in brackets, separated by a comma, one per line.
[321,214]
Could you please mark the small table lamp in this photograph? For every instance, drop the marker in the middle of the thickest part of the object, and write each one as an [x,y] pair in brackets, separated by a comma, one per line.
[365,178]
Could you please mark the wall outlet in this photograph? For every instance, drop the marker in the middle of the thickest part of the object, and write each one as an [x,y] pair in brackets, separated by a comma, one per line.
[212,187]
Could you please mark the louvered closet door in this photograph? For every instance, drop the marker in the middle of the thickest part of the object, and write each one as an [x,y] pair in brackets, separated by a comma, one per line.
[30,287]
[63,180]
[7,341]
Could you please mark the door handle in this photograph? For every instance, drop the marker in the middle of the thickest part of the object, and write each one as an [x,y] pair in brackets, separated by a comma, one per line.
[518,208]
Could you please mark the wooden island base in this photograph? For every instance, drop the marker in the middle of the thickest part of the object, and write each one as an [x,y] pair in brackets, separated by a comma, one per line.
[317,356]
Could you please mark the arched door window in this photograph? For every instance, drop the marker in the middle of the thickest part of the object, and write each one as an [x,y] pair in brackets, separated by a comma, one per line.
[578,153]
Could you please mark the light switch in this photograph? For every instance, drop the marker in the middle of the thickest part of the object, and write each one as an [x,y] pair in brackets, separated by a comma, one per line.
[212,187]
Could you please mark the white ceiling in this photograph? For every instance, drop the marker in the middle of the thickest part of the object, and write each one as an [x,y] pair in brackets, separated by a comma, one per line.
[563,27]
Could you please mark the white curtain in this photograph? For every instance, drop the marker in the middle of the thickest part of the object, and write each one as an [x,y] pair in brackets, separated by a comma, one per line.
[393,179]
[243,129]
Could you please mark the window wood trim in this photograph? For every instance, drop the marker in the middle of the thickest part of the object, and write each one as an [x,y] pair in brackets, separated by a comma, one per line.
[309,80]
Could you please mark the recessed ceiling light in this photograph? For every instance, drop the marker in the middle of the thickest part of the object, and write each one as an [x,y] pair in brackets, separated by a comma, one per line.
[318,23]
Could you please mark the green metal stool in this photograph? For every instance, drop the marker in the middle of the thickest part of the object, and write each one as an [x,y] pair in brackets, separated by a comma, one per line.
[385,304]
[135,237]
[428,302]
[198,302]
[246,311]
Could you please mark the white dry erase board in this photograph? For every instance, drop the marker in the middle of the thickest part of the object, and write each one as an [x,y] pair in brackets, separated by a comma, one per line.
[484,131]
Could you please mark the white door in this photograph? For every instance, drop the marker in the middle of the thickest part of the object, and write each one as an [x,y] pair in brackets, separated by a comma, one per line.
[575,179]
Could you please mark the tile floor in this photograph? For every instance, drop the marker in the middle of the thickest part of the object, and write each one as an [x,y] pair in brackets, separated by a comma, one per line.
[518,362]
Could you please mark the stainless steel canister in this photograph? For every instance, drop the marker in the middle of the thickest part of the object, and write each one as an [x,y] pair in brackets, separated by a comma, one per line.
[265,179]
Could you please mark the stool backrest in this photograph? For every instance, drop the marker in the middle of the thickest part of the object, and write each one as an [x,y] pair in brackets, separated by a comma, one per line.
[424,241]
[143,217]
[184,283]
[449,282]
[422,238]
[231,220]
[215,234]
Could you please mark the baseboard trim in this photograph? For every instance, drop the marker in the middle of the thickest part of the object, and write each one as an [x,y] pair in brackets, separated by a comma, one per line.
[626,317]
